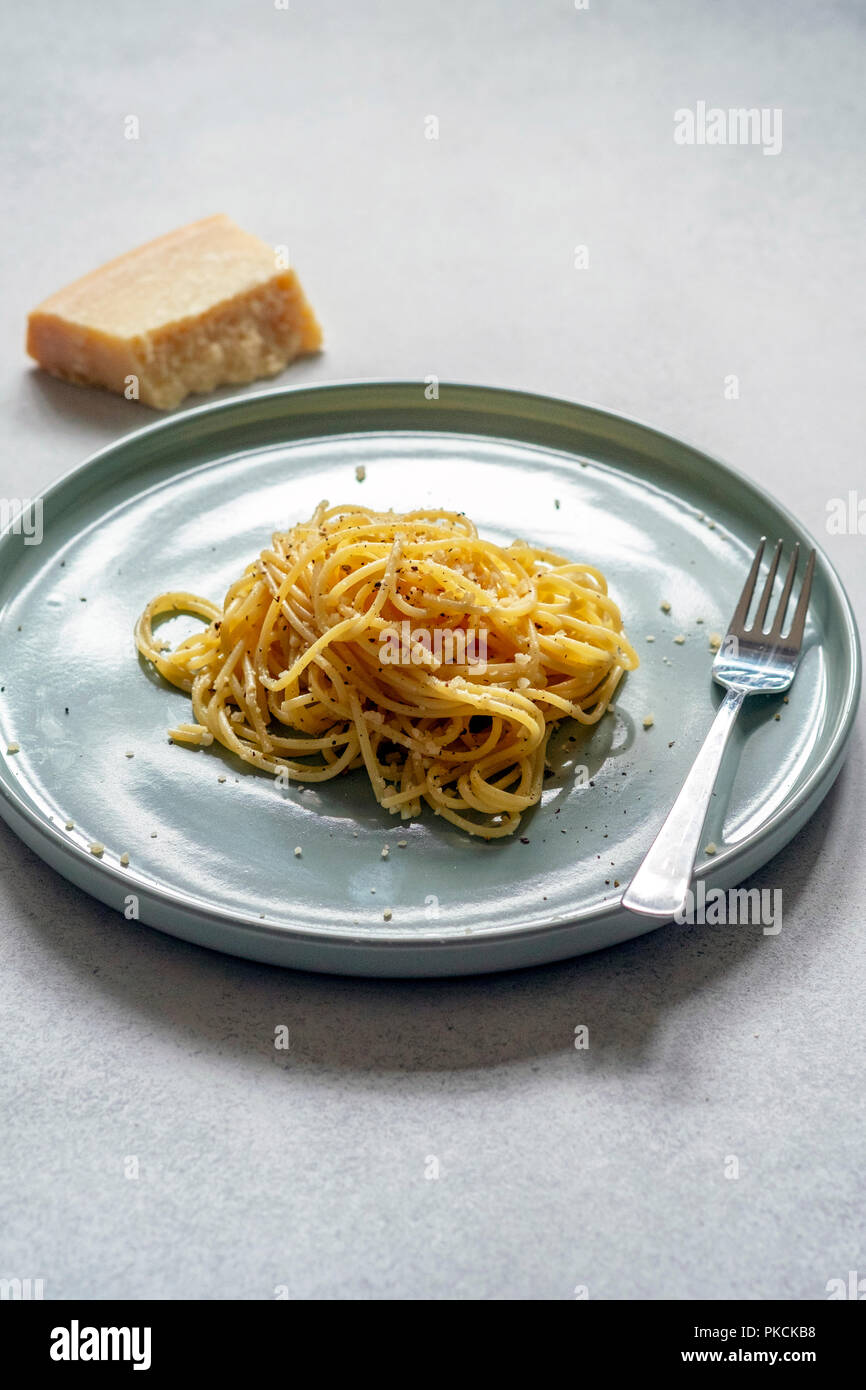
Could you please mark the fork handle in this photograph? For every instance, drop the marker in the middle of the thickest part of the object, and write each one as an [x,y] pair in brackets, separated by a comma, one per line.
[660,886]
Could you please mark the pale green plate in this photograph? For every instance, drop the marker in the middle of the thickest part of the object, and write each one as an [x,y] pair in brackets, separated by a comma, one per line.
[186,503]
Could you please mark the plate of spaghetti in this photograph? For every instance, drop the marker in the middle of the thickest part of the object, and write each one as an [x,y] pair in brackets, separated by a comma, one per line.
[427,726]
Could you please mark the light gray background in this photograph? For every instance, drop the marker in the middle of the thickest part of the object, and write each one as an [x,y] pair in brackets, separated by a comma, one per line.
[559,1168]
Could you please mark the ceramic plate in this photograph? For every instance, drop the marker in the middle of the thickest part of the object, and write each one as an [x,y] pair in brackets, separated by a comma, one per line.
[187,502]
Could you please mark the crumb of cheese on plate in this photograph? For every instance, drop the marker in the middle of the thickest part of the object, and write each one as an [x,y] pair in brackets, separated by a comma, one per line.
[204,306]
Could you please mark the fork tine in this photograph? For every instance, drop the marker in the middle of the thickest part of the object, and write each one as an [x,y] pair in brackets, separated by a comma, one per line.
[795,636]
[776,629]
[764,604]
[741,611]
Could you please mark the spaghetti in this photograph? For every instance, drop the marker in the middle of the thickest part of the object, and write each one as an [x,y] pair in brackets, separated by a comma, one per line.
[403,644]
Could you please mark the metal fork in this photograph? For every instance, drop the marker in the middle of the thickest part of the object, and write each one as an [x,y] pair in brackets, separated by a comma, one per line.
[750,661]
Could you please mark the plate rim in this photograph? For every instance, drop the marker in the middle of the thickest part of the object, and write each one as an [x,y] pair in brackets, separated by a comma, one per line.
[796,808]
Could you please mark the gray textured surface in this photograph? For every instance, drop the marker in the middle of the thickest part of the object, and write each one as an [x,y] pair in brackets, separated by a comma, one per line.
[559,1168]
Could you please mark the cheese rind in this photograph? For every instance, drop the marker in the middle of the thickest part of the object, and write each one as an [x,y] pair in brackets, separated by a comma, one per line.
[201,307]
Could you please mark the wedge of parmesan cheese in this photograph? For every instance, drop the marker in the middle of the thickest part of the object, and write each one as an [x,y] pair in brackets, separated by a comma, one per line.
[196,309]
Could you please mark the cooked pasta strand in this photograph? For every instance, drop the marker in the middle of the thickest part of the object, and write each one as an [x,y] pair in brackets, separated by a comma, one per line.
[403,644]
